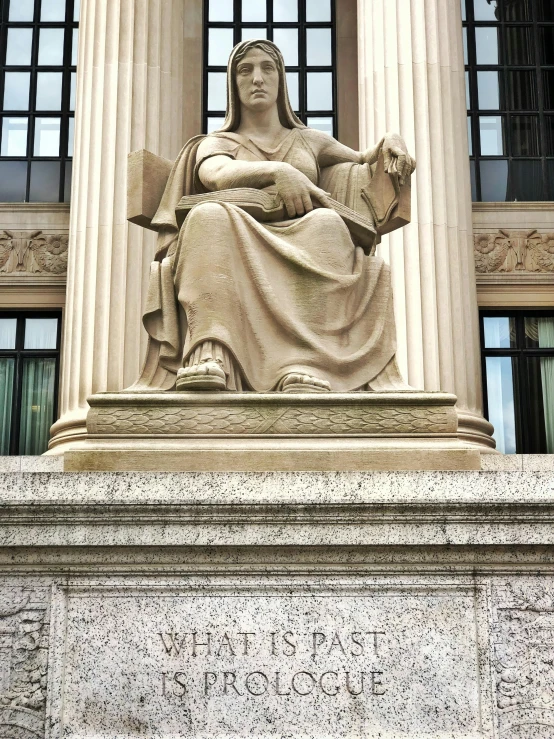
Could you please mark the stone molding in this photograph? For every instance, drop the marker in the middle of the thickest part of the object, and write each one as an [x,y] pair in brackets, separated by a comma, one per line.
[33,253]
[511,251]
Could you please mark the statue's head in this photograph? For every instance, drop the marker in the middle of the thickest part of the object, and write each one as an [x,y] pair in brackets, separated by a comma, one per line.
[256,79]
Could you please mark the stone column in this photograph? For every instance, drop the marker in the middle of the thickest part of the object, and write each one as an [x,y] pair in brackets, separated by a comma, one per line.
[411,80]
[129,96]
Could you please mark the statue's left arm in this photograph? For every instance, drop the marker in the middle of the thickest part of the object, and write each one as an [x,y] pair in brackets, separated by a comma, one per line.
[397,159]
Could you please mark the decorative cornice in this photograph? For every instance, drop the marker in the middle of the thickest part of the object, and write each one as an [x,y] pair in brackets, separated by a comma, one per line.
[517,206]
[514,251]
[24,253]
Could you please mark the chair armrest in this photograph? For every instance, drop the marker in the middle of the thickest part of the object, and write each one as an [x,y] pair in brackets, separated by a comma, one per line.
[147,176]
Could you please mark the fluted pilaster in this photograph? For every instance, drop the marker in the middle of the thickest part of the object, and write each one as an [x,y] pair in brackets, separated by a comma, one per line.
[129,96]
[411,78]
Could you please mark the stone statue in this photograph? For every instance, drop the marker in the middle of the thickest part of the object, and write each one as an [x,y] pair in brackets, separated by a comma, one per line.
[296,305]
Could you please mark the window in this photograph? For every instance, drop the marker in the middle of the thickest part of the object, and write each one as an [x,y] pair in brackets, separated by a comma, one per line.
[39,40]
[304,30]
[518,379]
[509,57]
[29,370]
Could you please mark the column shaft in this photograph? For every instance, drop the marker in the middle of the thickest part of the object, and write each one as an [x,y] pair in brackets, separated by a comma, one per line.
[411,78]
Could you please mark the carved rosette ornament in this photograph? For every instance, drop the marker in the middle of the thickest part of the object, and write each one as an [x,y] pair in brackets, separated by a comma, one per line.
[514,251]
[33,253]
[523,657]
[24,624]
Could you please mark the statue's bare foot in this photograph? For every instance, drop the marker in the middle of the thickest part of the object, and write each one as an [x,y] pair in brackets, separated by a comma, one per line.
[296,382]
[207,375]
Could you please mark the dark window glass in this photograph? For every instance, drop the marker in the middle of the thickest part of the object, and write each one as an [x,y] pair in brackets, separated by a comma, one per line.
[546,45]
[548,89]
[522,90]
[518,379]
[67,182]
[545,10]
[525,135]
[37,94]
[473,180]
[304,30]
[13,181]
[45,182]
[526,180]
[29,369]
[494,180]
[518,45]
[517,10]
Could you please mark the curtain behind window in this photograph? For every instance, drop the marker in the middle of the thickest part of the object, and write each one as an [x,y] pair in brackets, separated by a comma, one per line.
[546,338]
[7,366]
[37,405]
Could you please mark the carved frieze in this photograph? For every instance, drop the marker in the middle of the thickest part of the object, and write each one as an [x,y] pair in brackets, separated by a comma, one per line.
[514,251]
[24,624]
[32,253]
[523,657]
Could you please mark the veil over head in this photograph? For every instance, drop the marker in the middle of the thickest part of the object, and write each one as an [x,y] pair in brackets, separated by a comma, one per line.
[286,113]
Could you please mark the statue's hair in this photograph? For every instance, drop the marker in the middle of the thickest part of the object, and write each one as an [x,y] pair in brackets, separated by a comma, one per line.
[286,114]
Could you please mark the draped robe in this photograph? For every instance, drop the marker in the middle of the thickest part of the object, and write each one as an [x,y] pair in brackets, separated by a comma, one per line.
[295,296]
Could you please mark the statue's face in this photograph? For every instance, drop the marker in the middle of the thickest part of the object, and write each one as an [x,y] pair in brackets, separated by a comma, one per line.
[257,80]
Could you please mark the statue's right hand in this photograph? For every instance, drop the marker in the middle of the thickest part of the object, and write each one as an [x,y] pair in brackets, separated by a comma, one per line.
[298,192]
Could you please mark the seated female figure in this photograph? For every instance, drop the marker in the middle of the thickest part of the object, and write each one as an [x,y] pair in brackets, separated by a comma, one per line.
[290,306]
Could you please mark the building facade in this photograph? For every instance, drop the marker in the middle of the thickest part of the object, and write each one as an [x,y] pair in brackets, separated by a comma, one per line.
[470,86]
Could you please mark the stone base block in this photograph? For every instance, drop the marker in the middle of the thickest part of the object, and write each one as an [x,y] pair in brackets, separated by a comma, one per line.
[273,431]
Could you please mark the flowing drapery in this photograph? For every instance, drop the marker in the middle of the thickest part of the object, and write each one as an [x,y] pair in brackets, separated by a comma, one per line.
[37,405]
[546,339]
[7,366]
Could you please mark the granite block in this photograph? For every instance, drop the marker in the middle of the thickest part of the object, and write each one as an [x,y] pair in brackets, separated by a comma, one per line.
[10,464]
[42,464]
[538,462]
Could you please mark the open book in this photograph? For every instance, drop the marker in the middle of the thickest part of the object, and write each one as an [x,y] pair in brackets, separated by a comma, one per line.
[267,207]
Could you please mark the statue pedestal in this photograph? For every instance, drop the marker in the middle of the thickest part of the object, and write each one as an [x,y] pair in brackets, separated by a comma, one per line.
[271,432]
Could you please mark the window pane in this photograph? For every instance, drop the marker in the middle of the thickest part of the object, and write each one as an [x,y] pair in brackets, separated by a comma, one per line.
[519,48]
[494,180]
[52,11]
[546,10]
[500,392]
[14,137]
[318,11]
[221,11]
[37,405]
[71,137]
[318,47]
[13,182]
[253,33]
[468,97]
[8,328]
[548,89]
[485,11]
[522,90]
[540,381]
[473,181]
[539,332]
[47,137]
[489,90]
[490,134]
[322,124]
[73,91]
[16,90]
[500,332]
[549,141]
[220,46]
[520,10]
[464,43]
[49,91]
[320,90]
[550,178]
[217,91]
[285,11]
[67,182]
[253,11]
[50,49]
[526,180]
[469,136]
[20,44]
[45,182]
[22,10]
[486,45]
[524,135]
[7,371]
[41,333]
[287,41]
[214,124]
[76,10]
[74,47]
[294,90]
[463,4]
